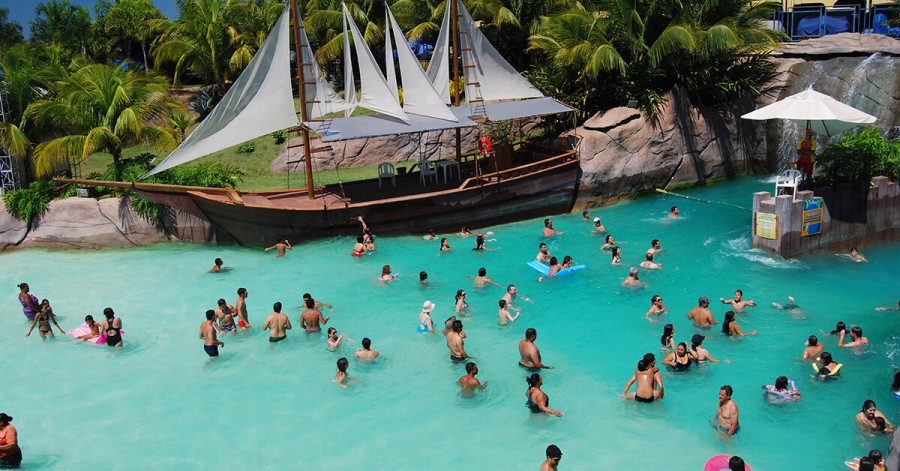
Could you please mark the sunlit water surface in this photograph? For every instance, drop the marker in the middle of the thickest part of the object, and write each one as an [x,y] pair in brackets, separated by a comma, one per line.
[161,402]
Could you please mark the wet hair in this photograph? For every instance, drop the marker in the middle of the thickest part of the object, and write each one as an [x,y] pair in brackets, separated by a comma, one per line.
[423,276]
[839,327]
[668,332]
[241,291]
[219,261]
[5,419]
[469,367]
[684,345]
[547,222]
[813,341]
[479,242]
[360,239]
[736,463]
[649,256]
[366,343]
[880,423]
[649,358]
[533,379]
[23,285]
[567,259]
[726,325]
[443,239]
[541,245]
[615,251]
[553,261]
[781,383]
[109,313]
[608,238]
[857,331]
[728,390]
[386,270]
[868,403]
[482,271]
[502,304]
[896,384]
[465,230]
[654,242]
[553,451]
[210,314]
[509,287]
[655,298]
[276,307]
[530,332]
[672,210]
[460,293]
[331,330]
[309,303]
[221,302]
[642,365]
[866,464]
[584,213]
[457,326]
[739,292]
[89,318]
[430,231]
[306,296]
[875,456]
[342,364]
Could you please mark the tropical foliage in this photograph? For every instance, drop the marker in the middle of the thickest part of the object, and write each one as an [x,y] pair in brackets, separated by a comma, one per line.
[29,204]
[10,33]
[62,24]
[858,157]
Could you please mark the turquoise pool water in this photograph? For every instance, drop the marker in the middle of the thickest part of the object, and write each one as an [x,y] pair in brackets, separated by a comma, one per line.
[160,402]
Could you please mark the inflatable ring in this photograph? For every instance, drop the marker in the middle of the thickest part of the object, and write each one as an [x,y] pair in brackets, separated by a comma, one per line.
[485,146]
[720,462]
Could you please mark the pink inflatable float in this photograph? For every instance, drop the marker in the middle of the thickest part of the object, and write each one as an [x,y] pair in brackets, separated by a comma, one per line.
[719,463]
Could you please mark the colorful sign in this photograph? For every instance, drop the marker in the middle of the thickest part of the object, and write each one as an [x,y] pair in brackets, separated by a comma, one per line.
[767,225]
[813,211]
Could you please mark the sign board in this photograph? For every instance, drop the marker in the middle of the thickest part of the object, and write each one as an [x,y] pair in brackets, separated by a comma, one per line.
[812,217]
[767,225]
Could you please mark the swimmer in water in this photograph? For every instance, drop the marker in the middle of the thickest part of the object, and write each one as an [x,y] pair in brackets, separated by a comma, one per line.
[784,388]
[649,264]
[829,366]
[598,227]
[225,317]
[423,278]
[366,353]
[529,354]
[93,326]
[585,216]
[426,324]
[609,244]
[537,400]
[445,245]
[813,349]
[668,337]
[673,213]
[889,308]
[504,315]
[657,308]
[280,246]
[701,315]
[738,303]
[431,235]
[479,243]
[549,231]
[241,307]
[616,255]
[208,329]
[543,255]
[632,280]
[455,342]
[655,247]
[461,305]
[334,340]
[386,275]
[727,413]
[838,329]
[318,303]
[866,419]
[856,338]
[554,455]
[42,319]
[468,382]
[277,324]
[679,359]
[730,327]
[853,255]
[701,354]
[359,248]
[649,382]
[217,267]
[311,318]
[368,238]
[340,376]
[482,279]
[512,294]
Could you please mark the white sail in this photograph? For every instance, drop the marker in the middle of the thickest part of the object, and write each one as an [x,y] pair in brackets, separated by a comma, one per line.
[374,92]
[389,69]
[259,102]
[419,97]
[496,79]
[320,97]
[439,66]
[349,78]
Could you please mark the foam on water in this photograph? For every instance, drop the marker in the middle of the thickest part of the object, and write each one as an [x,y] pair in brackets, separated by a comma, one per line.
[160,402]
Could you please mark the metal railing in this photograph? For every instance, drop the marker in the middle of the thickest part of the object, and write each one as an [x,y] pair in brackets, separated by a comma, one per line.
[817,21]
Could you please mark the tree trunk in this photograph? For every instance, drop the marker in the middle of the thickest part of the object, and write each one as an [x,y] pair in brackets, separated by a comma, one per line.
[117,168]
[144,51]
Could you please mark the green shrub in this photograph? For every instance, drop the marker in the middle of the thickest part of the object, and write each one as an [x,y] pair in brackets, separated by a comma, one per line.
[279,137]
[29,204]
[246,148]
[859,157]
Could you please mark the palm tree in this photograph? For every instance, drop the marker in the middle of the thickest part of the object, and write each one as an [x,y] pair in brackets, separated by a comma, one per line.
[131,20]
[101,108]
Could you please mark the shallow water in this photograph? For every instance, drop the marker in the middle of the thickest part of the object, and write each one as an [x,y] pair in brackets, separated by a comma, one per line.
[160,402]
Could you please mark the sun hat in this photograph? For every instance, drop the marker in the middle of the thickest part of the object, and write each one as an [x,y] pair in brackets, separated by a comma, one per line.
[428,306]
[596,219]
[697,338]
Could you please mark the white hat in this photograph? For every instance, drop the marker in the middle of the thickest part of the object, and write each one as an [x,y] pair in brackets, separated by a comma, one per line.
[596,219]
[428,306]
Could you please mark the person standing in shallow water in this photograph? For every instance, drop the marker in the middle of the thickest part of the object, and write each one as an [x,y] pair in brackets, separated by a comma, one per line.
[280,246]
[727,413]
[112,327]
[10,453]
[554,455]
[469,382]
[277,324]
[529,354]
[208,329]
[241,307]
[29,301]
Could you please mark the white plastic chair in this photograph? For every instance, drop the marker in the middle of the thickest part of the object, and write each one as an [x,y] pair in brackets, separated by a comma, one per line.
[788,179]
[427,169]
[386,170]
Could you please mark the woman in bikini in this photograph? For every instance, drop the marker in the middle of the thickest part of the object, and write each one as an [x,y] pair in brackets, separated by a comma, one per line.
[616,255]
[730,327]
[461,301]
[359,248]
[43,319]
[537,400]
[445,245]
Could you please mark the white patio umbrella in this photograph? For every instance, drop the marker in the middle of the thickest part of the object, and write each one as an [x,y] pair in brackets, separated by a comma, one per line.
[818,111]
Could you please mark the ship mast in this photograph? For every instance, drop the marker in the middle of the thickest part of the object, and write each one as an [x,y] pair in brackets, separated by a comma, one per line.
[301,84]
[454,32]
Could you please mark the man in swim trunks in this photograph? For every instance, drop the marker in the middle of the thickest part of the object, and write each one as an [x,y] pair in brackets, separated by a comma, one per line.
[727,413]
[208,334]
[554,455]
[281,246]
[225,316]
[738,303]
[277,324]
[366,353]
[455,343]
[469,382]
[549,231]
[543,255]
[529,354]
[482,278]
[701,315]
[240,306]
[648,379]
[311,317]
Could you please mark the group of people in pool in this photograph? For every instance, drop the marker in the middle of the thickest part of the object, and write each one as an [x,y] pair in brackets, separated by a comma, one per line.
[41,316]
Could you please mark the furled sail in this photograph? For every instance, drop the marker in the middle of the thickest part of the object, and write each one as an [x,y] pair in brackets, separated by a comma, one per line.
[375,94]
[484,66]
[259,102]
[439,66]
[321,98]
[419,97]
